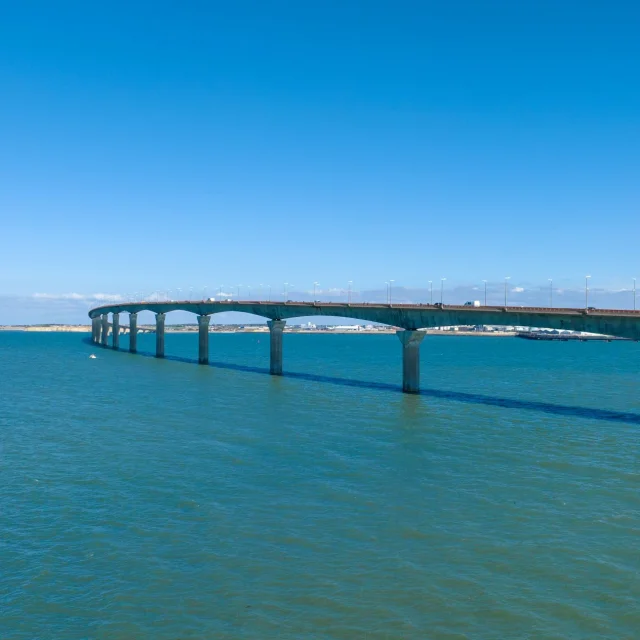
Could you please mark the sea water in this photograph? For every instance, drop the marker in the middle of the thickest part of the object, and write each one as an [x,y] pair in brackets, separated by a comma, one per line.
[146,498]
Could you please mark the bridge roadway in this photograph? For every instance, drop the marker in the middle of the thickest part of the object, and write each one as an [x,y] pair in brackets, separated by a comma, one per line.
[408,317]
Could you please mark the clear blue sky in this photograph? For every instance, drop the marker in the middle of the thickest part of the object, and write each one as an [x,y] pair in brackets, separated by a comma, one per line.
[150,145]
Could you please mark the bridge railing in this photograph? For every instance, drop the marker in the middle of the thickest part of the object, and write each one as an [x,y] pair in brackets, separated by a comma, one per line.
[381,305]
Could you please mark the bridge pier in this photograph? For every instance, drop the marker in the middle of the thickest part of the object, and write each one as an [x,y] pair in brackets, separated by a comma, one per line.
[105,328]
[276,327]
[95,336]
[410,340]
[203,339]
[115,331]
[160,334]
[133,332]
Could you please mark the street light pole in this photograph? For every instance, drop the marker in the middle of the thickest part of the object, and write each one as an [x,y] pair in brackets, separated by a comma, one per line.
[284,291]
[349,299]
[485,292]
[586,292]
[390,294]
[550,292]
[442,289]
[634,294]
[315,284]
[430,291]
[505,290]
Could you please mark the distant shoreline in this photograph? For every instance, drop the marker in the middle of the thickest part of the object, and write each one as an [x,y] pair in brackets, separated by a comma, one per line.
[69,328]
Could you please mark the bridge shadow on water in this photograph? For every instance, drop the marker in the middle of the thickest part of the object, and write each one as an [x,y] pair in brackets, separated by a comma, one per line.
[456,396]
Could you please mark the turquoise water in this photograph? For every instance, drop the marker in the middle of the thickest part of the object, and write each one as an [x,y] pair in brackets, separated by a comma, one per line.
[162,499]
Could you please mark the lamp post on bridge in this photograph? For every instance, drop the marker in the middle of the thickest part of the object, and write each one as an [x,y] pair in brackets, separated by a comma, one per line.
[634,294]
[349,298]
[315,284]
[286,290]
[260,291]
[430,291]
[506,299]
[485,292]
[238,287]
[442,289]
[390,294]
[586,292]
[550,292]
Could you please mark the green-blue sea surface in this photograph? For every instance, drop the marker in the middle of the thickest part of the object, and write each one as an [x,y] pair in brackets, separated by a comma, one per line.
[145,498]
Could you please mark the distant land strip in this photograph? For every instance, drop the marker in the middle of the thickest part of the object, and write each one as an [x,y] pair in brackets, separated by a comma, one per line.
[259,328]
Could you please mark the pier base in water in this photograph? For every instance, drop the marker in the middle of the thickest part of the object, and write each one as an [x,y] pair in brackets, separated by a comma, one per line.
[160,334]
[133,332]
[410,340]
[105,329]
[276,327]
[115,331]
[203,339]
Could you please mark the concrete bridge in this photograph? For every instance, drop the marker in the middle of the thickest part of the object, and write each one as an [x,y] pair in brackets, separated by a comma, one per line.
[408,317]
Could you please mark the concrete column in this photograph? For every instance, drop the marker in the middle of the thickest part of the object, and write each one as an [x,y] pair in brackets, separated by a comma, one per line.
[133,332]
[203,339]
[105,328]
[115,331]
[94,330]
[160,334]
[411,340]
[276,327]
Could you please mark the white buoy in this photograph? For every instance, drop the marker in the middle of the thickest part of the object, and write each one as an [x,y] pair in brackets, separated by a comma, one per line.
[92,357]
